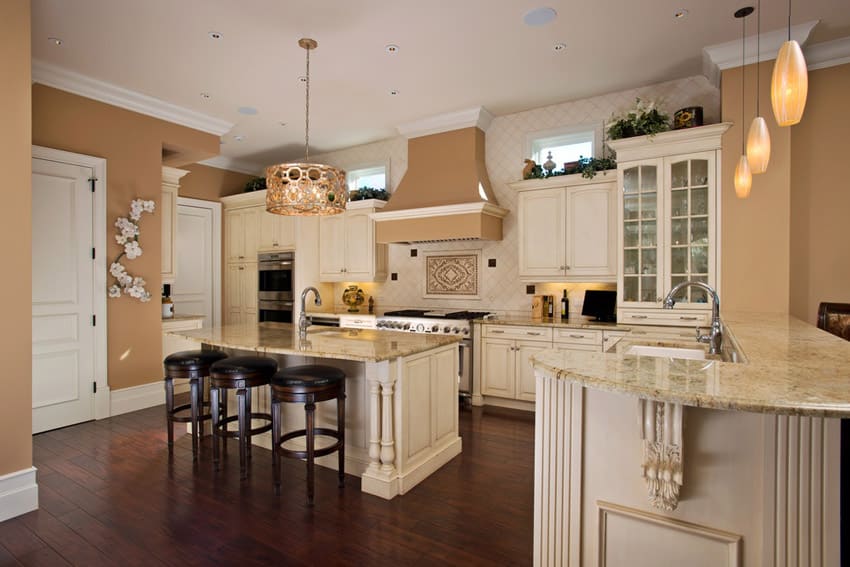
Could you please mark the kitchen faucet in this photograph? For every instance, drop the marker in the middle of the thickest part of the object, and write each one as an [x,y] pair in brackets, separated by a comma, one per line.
[715,337]
[302,319]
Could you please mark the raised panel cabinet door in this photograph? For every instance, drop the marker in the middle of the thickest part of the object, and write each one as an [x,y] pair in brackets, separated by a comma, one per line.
[359,245]
[525,385]
[285,231]
[332,248]
[591,231]
[542,232]
[233,297]
[269,230]
[251,228]
[250,287]
[498,368]
[234,235]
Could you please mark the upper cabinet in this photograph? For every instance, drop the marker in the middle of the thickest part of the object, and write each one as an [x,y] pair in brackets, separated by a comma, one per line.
[668,199]
[567,228]
[249,228]
[347,247]
[168,209]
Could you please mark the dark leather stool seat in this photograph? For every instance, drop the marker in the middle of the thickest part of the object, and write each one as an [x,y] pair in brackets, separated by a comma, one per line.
[192,365]
[241,373]
[308,384]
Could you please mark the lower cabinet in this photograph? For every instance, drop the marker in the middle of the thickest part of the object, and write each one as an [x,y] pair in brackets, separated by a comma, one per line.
[240,293]
[505,368]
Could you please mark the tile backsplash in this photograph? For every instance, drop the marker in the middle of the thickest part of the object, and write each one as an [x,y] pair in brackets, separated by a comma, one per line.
[500,288]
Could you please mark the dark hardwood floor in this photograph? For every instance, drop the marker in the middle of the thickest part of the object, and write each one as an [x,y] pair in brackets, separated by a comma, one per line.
[109,495]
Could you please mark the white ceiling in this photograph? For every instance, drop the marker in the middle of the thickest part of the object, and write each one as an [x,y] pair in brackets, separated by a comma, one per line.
[454,54]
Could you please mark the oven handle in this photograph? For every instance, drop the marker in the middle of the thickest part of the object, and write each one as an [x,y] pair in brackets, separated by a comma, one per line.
[275,266]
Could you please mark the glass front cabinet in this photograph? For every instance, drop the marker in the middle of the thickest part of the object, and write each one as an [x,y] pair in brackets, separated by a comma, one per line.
[668,198]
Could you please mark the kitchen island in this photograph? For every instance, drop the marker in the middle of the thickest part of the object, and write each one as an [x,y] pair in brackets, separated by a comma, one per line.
[401,395]
[661,460]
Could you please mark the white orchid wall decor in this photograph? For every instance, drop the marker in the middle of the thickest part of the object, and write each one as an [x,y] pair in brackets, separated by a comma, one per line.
[128,237]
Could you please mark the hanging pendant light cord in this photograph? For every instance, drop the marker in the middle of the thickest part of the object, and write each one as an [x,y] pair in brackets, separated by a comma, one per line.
[758,58]
[743,78]
[307,113]
[789,20]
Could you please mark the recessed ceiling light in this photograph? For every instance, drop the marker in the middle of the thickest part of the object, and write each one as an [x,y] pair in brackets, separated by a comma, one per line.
[206,96]
[680,14]
[247,110]
[560,46]
[215,35]
[391,48]
[394,92]
[239,138]
[539,16]
[54,40]
[282,123]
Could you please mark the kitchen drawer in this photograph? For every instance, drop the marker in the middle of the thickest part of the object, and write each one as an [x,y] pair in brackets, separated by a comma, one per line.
[568,346]
[672,317]
[610,338]
[517,332]
[578,337]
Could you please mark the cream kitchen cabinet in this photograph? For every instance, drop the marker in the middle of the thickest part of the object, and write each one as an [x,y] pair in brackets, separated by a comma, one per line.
[277,232]
[505,368]
[241,234]
[168,209]
[347,247]
[567,228]
[667,223]
[249,228]
[240,293]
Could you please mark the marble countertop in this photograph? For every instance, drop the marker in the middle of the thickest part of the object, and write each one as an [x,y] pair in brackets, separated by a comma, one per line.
[182,318]
[577,322]
[362,345]
[791,367]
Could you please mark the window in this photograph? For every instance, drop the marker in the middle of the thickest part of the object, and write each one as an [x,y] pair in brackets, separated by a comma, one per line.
[566,144]
[374,177]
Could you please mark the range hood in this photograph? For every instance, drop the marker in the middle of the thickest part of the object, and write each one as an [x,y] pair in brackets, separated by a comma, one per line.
[446,193]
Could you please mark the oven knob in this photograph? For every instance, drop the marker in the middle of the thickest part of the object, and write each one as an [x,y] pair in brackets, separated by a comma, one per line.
[456,330]
[396,325]
[466,331]
[406,326]
[435,328]
[447,329]
[420,327]
[380,324]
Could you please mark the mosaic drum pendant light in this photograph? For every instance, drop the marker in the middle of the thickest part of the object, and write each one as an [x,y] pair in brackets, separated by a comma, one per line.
[743,176]
[758,139]
[305,188]
[789,85]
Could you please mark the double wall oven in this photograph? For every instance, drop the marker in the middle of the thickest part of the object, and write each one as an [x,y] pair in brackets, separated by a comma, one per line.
[275,278]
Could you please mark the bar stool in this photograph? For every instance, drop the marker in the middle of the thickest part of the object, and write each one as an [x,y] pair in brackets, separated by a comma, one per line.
[308,384]
[241,373]
[192,365]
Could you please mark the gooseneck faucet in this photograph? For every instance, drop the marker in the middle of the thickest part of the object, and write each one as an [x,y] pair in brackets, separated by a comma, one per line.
[715,337]
[302,319]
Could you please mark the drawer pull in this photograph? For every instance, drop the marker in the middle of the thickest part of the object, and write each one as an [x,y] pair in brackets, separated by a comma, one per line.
[530,333]
[684,318]
[576,336]
[638,316]
[497,332]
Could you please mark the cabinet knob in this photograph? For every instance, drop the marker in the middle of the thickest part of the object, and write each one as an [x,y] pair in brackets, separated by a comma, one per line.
[240,257]
[568,267]
[562,267]
[274,243]
[241,267]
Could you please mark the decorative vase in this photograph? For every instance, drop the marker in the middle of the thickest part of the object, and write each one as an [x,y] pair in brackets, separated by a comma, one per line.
[354,297]
[687,117]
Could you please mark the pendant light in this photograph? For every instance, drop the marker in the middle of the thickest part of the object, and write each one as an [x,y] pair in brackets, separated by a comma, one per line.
[789,85]
[305,188]
[758,139]
[743,176]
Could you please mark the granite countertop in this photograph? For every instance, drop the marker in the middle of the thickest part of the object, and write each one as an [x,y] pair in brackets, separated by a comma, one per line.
[364,345]
[791,367]
[577,322]
[182,318]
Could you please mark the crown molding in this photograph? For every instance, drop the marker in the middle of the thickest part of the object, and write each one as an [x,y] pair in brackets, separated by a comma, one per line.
[479,117]
[722,56]
[54,76]
[828,54]
[233,164]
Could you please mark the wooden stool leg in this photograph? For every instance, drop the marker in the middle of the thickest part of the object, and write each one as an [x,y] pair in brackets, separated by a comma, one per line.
[250,421]
[169,409]
[223,395]
[195,406]
[243,419]
[214,409]
[340,426]
[310,409]
[276,445]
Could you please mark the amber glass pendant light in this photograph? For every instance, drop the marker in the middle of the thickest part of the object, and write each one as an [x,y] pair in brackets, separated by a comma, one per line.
[758,138]
[305,188]
[743,175]
[789,85]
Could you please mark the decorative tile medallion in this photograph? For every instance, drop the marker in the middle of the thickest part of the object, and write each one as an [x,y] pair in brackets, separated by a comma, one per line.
[452,275]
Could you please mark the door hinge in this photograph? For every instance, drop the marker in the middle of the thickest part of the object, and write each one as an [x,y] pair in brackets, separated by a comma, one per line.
[92,180]
[94,387]
[93,255]
[94,320]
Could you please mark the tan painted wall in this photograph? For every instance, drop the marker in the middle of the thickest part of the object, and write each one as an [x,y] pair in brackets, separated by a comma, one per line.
[15,233]
[132,145]
[755,232]
[211,183]
[820,196]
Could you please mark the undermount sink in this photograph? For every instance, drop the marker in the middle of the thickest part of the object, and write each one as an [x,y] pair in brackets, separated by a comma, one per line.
[667,352]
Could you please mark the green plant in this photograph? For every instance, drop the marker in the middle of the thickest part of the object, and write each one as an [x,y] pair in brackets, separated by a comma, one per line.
[644,119]
[256,184]
[586,166]
[369,193]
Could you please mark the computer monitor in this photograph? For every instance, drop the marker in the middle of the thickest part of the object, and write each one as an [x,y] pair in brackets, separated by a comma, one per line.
[600,304]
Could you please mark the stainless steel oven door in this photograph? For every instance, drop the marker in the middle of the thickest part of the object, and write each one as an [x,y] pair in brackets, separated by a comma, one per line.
[275,277]
[276,311]
[465,367]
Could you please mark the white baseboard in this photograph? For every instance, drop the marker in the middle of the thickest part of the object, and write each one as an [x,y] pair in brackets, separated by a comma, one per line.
[135,398]
[18,493]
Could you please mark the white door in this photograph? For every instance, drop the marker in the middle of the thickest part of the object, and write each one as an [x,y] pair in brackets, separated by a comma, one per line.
[193,291]
[63,363]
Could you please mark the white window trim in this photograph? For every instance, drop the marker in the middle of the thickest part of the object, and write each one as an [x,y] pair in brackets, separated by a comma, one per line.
[532,138]
[365,166]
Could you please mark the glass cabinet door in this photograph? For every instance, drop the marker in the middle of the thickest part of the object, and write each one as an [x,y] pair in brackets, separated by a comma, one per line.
[640,233]
[688,239]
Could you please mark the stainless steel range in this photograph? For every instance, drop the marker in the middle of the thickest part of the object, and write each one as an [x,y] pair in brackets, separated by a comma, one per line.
[439,322]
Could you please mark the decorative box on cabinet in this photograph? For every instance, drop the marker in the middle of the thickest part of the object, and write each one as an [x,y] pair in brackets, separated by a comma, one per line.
[347,247]
[567,228]
[667,223]
[168,209]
